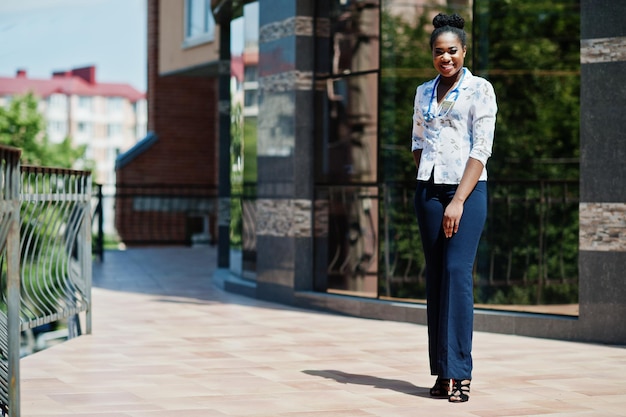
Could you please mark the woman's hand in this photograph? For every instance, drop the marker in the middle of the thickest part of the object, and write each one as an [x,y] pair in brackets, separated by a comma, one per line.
[452,217]
[454,210]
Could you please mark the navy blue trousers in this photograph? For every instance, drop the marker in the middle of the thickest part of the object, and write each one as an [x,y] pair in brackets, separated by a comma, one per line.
[449,281]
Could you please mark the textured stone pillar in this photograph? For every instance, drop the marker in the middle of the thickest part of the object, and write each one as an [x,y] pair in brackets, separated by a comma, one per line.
[603,171]
[284,150]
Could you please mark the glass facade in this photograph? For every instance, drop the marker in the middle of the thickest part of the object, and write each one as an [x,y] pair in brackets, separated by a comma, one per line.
[530,51]
[347,69]
[369,56]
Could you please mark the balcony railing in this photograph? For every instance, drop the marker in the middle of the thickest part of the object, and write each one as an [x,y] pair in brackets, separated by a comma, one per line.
[45,237]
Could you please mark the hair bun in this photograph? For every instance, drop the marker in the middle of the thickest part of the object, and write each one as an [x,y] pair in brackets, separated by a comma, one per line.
[453,20]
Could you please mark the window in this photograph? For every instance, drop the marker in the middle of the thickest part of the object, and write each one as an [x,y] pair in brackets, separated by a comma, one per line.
[251,98]
[244,46]
[199,22]
[57,128]
[114,129]
[250,73]
[84,128]
[57,101]
[115,104]
[84,102]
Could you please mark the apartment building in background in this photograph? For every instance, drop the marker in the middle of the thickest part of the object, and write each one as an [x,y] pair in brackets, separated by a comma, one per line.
[107,117]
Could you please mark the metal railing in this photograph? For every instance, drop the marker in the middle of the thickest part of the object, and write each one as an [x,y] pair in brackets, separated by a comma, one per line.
[10,281]
[45,231]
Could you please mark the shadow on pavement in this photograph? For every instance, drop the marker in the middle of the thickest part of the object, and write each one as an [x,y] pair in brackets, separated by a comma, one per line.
[376,382]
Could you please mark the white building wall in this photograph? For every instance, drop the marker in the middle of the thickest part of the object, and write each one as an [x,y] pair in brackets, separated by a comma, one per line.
[107,125]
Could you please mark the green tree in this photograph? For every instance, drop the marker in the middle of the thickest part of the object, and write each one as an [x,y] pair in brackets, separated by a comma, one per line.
[23,127]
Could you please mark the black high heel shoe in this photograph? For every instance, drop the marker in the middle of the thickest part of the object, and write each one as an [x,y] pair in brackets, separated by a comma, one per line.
[441,389]
[459,392]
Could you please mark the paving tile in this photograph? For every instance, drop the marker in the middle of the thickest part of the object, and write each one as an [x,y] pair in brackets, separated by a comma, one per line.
[167,341]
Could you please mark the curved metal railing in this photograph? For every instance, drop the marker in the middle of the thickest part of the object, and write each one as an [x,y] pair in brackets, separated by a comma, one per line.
[9,280]
[45,257]
[55,234]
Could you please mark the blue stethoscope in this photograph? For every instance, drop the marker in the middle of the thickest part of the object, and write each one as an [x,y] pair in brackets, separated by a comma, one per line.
[447,104]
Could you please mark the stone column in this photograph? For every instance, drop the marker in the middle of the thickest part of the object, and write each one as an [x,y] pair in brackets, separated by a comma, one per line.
[602,257]
[285,149]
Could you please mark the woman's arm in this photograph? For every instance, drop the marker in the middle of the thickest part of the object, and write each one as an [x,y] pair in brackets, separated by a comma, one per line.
[484,124]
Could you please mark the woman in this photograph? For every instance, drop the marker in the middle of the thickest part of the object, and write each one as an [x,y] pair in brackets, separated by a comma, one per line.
[453,129]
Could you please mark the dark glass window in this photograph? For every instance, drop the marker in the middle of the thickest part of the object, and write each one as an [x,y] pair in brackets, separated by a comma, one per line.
[369,58]
[529,51]
[346,146]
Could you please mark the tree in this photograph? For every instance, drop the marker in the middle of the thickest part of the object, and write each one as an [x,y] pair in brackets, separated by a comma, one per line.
[23,127]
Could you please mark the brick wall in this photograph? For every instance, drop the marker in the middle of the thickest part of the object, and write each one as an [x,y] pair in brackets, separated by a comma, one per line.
[184,118]
[182,112]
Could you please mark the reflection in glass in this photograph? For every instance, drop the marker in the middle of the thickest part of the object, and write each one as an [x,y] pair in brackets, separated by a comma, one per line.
[406,62]
[347,140]
[244,115]
[347,91]
[346,147]
[350,238]
[355,37]
[528,257]
[365,173]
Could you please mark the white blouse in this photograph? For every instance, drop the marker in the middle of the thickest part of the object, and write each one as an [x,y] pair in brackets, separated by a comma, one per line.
[449,136]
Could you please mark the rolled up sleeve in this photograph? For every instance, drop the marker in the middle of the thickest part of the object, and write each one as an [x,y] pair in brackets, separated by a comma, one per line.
[483,123]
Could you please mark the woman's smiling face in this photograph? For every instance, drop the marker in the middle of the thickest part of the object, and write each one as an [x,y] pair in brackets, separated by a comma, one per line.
[448,54]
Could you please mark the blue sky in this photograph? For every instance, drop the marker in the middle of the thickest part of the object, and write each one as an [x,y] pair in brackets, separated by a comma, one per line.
[42,36]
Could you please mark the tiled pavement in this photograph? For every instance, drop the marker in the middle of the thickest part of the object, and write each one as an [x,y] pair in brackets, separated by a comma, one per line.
[167,342]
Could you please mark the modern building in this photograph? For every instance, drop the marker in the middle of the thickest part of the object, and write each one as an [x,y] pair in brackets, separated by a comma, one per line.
[296,114]
[107,117]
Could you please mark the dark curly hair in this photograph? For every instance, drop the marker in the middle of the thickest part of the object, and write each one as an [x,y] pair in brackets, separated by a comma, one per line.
[448,23]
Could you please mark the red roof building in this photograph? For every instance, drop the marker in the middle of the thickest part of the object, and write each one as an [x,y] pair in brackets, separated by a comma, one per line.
[109,118]
[79,81]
